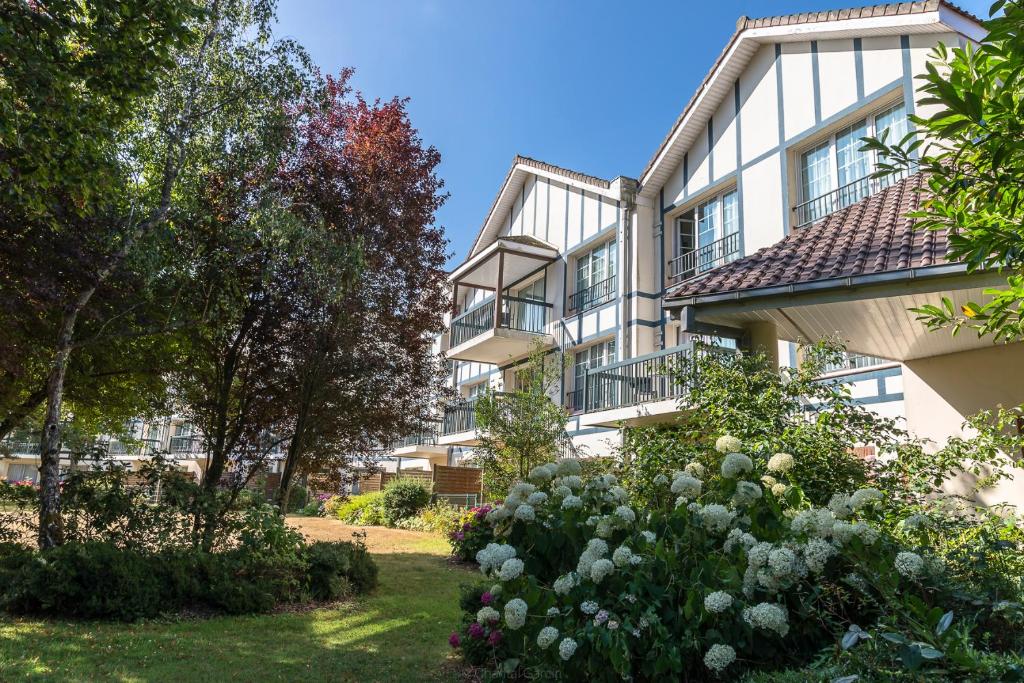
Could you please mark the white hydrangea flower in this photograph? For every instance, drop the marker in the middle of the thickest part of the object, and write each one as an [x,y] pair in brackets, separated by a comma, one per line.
[686,486]
[547,636]
[737,537]
[494,555]
[728,444]
[660,480]
[649,536]
[566,648]
[817,553]
[757,556]
[589,607]
[564,584]
[815,522]
[618,494]
[736,464]
[572,481]
[768,481]
[487,615]
[567,467]
[537,498]
[867,533]
[515,613]
[498,514]
[842,532]
[526,513]
[781,462]
[601,569]
[510,569]
[561,491]
[719,656]
[910,565]
[521,490]
[779,490]
[717,602]
[621,556]
[716,518]
[746,493]
[916,521]
[862,497]
[625,513]
[636,560]
[781,562]
[597,546]
[572,502]
[695,469]
[840,505]
[553,611]
[769,617]
[584,564]
[542,474]
[605,528]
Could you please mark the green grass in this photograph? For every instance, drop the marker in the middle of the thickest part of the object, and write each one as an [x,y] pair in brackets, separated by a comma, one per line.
[398,633]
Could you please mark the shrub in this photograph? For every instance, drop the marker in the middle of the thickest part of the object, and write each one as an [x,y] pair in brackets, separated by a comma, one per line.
[366,508]
[439,518]
[338,569]
[331,506]
[298,498]
[721,570]
[403,498]
[470,534]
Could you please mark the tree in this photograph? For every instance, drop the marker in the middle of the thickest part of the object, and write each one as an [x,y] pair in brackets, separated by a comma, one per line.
[360,366]
[522,428]
[972,151]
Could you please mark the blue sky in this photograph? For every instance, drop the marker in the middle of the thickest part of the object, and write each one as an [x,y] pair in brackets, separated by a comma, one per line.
[590,85]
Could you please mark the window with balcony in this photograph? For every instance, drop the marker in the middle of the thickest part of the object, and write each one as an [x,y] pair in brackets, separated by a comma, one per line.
[595,278]
[836,173]
[598,355]
[706,236]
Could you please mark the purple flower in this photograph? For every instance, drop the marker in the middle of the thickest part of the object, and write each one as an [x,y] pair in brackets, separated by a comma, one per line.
[454,640]
[487,598]
[600,618]
[476,631]
[459,536]
[494,640]
[467,526]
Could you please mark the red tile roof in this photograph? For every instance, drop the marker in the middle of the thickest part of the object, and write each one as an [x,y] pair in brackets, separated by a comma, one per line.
[869,237]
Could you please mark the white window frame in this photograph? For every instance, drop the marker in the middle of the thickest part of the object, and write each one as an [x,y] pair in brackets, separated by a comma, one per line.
[610,269]
[870,122]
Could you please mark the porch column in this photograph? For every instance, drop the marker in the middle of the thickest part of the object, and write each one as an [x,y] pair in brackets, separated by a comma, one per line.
[764,338]
[497,291]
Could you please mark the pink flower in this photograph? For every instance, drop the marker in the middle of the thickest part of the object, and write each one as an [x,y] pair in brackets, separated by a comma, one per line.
[494,640]
[487,598]
[476,631]
[453,639]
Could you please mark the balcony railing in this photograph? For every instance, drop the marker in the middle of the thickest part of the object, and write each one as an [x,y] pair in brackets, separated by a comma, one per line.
[21,447]
[840,198]
[459,417]
[702,259]
[425,436]
[646,379]
[186,444]
[590,297]
[525,315]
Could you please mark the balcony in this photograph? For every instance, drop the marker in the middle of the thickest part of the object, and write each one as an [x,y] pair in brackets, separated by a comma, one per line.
[458,427]
[704,258]
[475,336]
[827,204]
[421,443]
[638,390]
[186,445]
[592,297]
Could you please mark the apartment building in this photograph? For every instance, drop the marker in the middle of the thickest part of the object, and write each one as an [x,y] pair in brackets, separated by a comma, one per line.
[758,189]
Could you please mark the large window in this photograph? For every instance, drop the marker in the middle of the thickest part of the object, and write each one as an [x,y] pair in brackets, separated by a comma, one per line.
[707,236]
[595,277]
[594,356]
[835,173]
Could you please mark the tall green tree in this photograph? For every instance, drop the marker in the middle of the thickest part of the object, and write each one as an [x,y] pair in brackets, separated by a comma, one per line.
[972,149]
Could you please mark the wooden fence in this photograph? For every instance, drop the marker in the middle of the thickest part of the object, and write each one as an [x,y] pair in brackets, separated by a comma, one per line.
[458,485]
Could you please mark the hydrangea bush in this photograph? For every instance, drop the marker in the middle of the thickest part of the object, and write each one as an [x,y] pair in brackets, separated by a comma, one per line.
[729,568]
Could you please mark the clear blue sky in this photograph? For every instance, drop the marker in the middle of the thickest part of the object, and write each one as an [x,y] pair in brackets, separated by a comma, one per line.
[590,85]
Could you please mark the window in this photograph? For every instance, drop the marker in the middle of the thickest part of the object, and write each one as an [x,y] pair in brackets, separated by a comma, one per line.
[834,173]
[595,277]
[19,472]
[854,361]
[706,237]
[476,390]
[520,312]
[595,356]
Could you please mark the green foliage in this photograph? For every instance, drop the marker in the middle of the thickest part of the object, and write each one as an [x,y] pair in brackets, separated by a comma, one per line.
[438,517]
[299,498]
[713,575]
[470,533]
[974,158]
[339,568]
[403,498]
[522,428]
[366,508]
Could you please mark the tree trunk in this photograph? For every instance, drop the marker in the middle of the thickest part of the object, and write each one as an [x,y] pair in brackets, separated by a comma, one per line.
[51,526]
[21,411]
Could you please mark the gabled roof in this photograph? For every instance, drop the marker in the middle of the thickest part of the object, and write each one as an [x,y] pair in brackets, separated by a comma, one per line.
[521,166]
[750,34]
[872,236]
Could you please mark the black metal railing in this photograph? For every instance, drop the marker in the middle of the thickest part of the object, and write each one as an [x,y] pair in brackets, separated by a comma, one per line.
[424,436]
[472,323]
[820,207]
[525,315]
[574,400]
[186,443]
[645,379]
[590,297]
[21,447]
[459,417]
[702,259]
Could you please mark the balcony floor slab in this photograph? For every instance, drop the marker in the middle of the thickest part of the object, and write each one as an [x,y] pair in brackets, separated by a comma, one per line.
[656,412]
[499,346]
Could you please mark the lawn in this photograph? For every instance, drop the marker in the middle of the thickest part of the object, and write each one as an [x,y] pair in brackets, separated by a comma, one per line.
[398,633]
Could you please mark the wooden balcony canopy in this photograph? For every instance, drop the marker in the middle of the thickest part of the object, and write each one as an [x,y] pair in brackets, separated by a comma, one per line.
[504,262]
